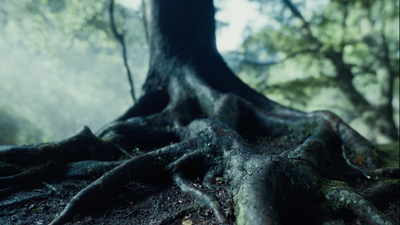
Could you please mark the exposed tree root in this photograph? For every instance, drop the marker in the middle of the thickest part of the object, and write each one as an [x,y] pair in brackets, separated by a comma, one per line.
[382,193]
[207,148]
[203,198]
[90,169]
[208,179]
[188,125]
[23,200]
[343,198]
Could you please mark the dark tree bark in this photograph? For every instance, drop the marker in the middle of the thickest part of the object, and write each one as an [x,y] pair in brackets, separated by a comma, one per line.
[197,119]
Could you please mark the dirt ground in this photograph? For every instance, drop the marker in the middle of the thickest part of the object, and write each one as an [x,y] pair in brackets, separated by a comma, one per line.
[138,203]
[141,203]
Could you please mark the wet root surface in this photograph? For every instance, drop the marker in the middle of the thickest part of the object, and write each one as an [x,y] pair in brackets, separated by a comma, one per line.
[207,157]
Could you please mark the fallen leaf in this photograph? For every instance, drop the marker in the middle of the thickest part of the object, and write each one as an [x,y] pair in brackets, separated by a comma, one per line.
[186,221]
[358,160]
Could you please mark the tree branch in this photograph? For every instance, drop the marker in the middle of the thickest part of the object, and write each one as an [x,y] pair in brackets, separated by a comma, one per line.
[345,15]
[306,31]
[271,63]
[120,39]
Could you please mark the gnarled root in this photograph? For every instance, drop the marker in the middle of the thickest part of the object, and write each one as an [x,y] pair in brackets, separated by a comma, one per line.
[340,197]
[199,133]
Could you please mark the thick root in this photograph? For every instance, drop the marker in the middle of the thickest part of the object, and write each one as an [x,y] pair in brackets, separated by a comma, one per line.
[344,198]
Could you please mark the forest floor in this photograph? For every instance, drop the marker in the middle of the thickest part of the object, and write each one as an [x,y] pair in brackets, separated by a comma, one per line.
[138,202]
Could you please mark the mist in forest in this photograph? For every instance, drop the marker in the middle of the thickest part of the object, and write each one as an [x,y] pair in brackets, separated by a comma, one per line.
[55,80]
[61,67]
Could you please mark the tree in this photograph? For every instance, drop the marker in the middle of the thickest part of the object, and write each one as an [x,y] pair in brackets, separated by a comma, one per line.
[355,38]
[69,55]
[195,118]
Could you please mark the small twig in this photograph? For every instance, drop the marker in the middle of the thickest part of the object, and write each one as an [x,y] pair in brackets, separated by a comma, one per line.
[353,166]
[272,63]
[124,151]
[365,174]
[306,26]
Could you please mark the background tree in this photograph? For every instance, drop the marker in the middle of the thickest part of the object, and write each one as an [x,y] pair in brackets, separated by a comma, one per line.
[196,125]
[352,46]
[69,63]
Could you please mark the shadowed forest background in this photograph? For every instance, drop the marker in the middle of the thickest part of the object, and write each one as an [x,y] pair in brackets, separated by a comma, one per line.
[61,65]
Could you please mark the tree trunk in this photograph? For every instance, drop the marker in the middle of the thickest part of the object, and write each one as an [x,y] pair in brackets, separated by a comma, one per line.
[195,118]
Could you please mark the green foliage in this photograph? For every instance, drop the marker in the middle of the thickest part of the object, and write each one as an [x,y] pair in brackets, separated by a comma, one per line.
[301,90]
[338,25]
[290,60]
[82,23]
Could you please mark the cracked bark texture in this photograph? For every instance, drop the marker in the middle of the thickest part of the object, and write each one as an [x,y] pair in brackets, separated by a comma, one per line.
[195,119]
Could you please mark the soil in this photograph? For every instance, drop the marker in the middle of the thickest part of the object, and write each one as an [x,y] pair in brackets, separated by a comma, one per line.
[138,203]
[143,203]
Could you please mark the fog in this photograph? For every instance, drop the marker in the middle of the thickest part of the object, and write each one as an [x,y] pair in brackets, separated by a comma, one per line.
[60,93]
[55,82]
[60,69]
